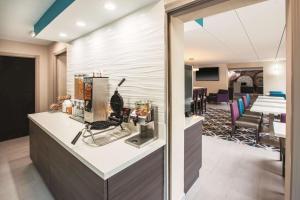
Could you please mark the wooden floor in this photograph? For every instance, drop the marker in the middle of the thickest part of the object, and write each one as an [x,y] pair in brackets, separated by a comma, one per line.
[233,171]
[230,171]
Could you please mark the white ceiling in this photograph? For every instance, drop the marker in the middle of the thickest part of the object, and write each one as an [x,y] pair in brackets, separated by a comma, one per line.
[93,13]
[247,34]
[17,18]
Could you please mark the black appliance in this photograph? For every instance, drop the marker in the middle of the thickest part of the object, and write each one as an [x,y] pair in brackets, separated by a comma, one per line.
[115,119]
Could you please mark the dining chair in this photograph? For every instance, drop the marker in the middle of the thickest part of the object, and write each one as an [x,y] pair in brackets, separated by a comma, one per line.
[283,118]
[243,122]
[196,101]
[247,113]
[247,105]
[278,94]
[282,145]
[204,99]
[248,98]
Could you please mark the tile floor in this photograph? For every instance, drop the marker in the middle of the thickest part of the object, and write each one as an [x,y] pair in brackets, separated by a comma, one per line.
[19,179]
[230,171]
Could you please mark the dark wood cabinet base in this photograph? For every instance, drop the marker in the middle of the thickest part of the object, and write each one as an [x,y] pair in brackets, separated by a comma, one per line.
[192,154]
[68,178]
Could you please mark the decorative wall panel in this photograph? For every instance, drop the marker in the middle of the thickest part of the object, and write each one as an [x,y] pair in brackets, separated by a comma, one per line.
[133,48]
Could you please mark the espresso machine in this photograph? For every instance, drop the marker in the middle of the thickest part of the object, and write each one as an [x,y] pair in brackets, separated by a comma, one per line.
[96,97]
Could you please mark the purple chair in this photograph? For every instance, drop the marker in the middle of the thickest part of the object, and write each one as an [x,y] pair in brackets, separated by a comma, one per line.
[283,118]
[243,122]
[221,96]
[246,104]
[247,107]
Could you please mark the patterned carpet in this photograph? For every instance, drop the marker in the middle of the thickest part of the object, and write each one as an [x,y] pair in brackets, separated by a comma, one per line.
[218,124]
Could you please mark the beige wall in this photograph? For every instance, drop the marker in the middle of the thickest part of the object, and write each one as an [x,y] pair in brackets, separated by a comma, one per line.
[53,50]
[214,86]
[41,54]
[274,76]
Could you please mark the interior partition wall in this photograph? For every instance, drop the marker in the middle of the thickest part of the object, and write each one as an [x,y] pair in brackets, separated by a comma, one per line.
[292,182]
[179,12]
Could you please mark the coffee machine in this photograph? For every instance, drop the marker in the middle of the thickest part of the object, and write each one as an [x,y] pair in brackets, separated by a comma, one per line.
[96,98]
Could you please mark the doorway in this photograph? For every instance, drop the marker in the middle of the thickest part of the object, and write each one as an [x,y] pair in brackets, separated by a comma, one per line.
[17,95]
[176,18]
[61,74]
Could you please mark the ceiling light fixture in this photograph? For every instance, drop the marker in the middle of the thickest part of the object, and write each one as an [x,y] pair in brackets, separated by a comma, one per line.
[63,35]
[32,34]
[80,23]
[109,6]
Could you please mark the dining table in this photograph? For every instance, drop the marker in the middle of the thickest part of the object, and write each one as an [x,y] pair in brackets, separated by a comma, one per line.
[271,100]
[268,109]
[270,97]
[269,105]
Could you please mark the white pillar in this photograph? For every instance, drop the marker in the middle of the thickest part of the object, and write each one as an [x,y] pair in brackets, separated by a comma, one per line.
[176,116]
[293,101]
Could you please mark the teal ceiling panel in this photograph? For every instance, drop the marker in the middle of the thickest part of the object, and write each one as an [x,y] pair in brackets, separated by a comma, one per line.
[53,11]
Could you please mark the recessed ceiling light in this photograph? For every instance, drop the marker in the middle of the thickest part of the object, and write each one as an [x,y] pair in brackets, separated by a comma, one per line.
[32,34]
[63,35]
[109,6]
[80,23]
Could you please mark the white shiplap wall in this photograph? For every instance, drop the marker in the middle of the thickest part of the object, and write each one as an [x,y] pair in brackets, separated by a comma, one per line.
[132,47]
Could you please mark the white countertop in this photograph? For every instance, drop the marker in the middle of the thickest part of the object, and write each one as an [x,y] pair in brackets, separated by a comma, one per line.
[106,160]
[190,121]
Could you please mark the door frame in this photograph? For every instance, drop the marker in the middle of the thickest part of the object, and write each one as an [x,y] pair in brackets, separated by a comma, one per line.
[37,75]
[180,11]
[54,61]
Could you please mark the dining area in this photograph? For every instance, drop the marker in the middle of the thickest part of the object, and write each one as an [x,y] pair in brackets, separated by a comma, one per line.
[275,108]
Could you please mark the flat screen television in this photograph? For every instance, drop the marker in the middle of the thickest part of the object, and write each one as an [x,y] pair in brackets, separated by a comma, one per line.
[207,74]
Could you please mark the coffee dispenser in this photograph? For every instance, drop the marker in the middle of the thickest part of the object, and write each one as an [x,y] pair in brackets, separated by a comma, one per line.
[96,97]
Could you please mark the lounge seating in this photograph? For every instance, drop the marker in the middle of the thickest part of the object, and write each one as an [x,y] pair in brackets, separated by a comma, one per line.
[243,122]
[221,96]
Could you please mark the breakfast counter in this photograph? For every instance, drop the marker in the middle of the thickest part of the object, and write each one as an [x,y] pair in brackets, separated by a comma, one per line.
[108,162]
[194,119]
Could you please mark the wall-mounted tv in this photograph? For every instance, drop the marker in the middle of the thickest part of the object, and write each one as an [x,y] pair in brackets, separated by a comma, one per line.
[207,74]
